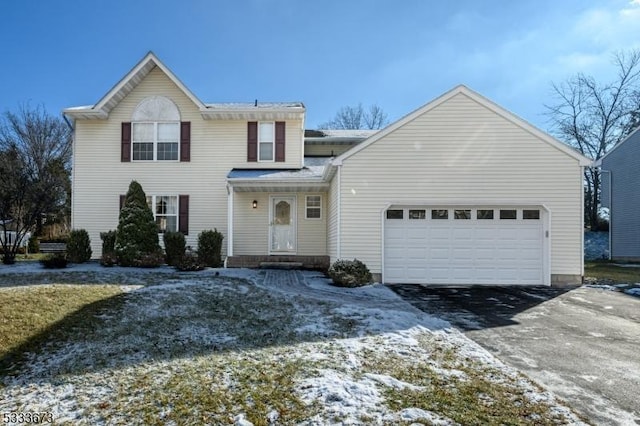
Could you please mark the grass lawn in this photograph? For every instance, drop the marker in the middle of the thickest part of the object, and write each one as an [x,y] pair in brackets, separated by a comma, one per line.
[611,272]
[196,348]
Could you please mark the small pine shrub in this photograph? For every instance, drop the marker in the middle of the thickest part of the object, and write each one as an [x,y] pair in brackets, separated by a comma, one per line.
[108,248]
[54,261]
[137,241]
[79,246]
[189,262]
[349,273]
[174,247]
[33,245]
[210,248]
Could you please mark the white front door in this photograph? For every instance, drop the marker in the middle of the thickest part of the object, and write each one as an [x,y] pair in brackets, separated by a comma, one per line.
[282,229]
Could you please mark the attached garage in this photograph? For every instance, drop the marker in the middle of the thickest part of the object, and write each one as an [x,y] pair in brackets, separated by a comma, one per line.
[460,192]
[466,245]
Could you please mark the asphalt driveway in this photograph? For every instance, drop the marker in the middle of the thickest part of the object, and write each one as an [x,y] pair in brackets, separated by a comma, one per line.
[583,343]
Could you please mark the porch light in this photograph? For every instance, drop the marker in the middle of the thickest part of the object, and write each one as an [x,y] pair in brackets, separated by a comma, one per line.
[255,204]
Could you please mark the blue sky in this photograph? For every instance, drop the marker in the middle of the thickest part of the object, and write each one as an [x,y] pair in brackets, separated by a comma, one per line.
[399,54]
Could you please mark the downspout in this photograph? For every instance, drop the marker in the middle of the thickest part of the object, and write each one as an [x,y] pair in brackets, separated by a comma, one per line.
[73,168]
[229,223]
[610,207]
[582,222]
[339,220]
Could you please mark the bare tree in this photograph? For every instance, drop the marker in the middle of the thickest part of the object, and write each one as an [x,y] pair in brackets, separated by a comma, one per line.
[356,117]
[592,117]
[35,160]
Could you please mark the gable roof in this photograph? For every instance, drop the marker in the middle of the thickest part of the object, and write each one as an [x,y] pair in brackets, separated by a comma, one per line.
[461,89]
[255,111]
[125,86]
[631,135]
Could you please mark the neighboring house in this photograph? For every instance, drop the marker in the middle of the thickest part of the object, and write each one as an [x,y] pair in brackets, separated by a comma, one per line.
[621,195]
[459,191]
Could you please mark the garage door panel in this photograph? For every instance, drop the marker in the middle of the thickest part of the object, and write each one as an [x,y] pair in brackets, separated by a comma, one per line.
[464,251]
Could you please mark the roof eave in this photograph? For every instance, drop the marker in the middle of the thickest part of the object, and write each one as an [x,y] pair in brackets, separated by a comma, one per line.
[252,113]
[86,114]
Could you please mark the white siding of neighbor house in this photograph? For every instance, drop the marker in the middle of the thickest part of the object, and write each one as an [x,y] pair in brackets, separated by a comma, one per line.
[216,147]
[251,226]
[460,152]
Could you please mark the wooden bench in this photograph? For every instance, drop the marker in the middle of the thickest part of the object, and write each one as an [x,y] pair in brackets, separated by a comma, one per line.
[53,247]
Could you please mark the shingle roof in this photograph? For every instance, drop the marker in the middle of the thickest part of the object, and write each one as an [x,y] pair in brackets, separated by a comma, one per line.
[313,168]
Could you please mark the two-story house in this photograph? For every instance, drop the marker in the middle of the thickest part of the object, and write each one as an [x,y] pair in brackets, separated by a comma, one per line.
[459,191]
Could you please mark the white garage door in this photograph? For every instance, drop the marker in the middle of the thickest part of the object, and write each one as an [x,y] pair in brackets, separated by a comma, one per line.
[464,245]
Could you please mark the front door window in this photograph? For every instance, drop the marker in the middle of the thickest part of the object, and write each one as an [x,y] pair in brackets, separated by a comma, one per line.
[283,236]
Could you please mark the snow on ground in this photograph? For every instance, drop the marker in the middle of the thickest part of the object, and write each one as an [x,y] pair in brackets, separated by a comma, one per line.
[183,320]
[596,245]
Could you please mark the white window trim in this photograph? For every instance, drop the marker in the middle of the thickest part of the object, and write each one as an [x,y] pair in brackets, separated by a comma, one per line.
[273,142]
[155,141]
[307,207]
[177,215]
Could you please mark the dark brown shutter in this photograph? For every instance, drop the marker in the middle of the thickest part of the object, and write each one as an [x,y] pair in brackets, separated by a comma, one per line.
[183,212]
[185,141]
[252,141]
[122,199]
[125,147]
[280,137]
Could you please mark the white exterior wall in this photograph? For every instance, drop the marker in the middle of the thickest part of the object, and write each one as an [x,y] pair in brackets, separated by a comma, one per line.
[251,226]
[460,152]
[216,147]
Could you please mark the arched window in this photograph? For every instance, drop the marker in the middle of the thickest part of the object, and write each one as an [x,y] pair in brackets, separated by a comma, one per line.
[155,132]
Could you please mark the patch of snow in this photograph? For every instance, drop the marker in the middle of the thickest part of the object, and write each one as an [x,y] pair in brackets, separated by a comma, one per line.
[596,245]
[633,291]
[415,414]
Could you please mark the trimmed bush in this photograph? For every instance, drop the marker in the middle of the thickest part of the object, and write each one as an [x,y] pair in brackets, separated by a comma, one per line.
[174,247]
[349,273]
[210,248]
[54,261]
[137,241]
[108,248]
[79,246]
[189,262]
[33,245]
[150,260]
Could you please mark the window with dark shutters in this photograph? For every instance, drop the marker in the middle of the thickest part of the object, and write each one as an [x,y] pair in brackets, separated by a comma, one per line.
[280,140]
[252,141]
[183,212]
[125,146]
[185,141]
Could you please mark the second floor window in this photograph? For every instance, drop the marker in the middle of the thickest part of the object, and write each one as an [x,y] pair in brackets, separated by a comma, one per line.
[266,141]
[155,141]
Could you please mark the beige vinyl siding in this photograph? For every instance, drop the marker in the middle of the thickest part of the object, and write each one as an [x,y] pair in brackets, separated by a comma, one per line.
[332,218]
[251,226]
[317,150]
[216,147]
[460,152]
